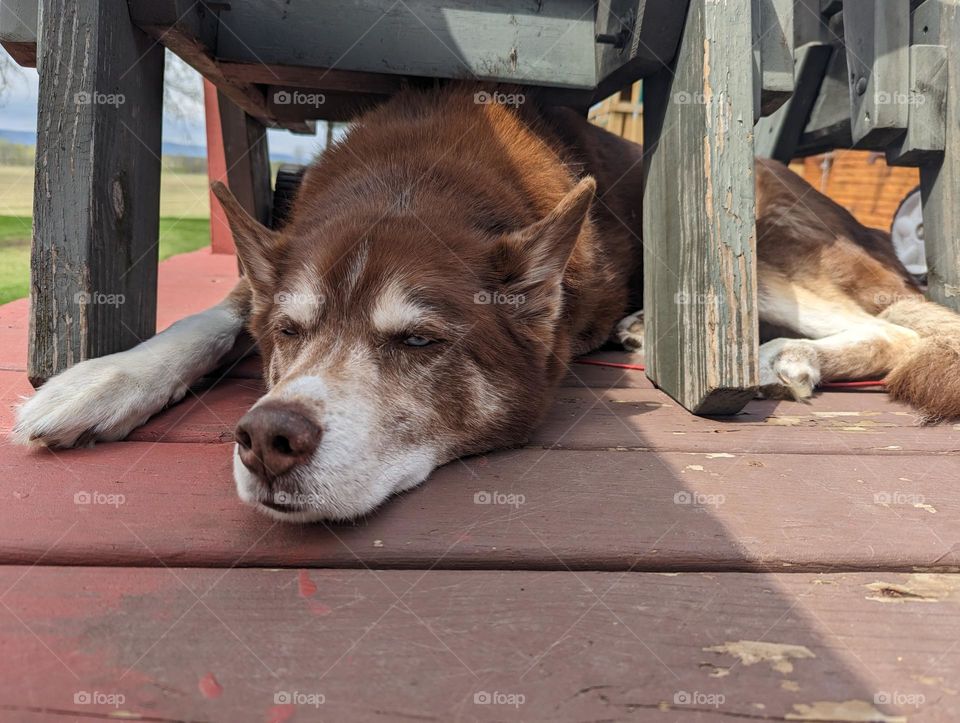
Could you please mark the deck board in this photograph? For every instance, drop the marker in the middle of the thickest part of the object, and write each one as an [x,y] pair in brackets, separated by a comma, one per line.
[561,597]
[540,509]
[208,645]
[860,423]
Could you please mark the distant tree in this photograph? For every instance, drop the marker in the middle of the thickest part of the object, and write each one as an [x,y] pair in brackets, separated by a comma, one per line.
[15,154]
[9,70]
[182,89]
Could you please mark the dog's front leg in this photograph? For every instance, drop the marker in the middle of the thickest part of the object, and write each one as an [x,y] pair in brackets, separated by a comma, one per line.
[104,399]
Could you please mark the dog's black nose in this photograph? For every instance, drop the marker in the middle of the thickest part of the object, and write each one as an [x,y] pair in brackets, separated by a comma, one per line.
[276,436]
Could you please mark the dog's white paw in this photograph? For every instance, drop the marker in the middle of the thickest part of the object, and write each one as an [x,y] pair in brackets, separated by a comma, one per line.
[629,331]
[96,400]
[789,369]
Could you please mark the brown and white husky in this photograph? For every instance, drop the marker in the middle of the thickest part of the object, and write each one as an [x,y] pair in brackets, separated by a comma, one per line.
[442,266]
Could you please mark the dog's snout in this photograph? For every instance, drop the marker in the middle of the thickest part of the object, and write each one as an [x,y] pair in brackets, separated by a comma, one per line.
[275,436]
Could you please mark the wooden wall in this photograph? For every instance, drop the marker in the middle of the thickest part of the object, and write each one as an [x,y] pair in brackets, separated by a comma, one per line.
[861,182]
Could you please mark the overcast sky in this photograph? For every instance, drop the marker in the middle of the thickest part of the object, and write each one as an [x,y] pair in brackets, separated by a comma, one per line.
[18,112]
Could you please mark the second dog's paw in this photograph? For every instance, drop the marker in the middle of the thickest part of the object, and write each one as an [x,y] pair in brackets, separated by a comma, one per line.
[629,331]
[789,369]
[97,400]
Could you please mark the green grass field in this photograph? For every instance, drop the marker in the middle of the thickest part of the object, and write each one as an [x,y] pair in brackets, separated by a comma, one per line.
[182,195]
[184,223]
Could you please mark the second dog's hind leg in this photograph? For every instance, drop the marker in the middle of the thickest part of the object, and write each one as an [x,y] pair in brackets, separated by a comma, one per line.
[842,341]
[629,331]
[869,350]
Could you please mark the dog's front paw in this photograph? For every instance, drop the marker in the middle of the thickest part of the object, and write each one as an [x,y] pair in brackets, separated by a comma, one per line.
[789,369]
[96,400]
[629,331]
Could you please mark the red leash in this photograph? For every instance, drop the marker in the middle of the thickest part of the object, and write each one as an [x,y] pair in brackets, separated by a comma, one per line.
[641,367]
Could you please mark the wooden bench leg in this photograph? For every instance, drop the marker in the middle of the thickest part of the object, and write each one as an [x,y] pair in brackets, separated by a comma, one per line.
[940,177]
[699,223]
[247,159]
[97,193]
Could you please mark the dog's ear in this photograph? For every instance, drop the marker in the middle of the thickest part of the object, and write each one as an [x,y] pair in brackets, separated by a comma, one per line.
[532,260]
[256,244]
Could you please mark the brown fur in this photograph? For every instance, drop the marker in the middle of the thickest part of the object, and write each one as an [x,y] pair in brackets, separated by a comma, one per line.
[807,238]
[928,376]
[454,198]
[812,249]
[444,192]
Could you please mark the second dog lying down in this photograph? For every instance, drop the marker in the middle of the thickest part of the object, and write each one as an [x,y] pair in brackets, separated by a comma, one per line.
[440,269]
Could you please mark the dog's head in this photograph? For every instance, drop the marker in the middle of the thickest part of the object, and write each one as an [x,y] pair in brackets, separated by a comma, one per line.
[393,344]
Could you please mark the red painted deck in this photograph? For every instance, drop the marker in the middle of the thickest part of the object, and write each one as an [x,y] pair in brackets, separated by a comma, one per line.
[795,562]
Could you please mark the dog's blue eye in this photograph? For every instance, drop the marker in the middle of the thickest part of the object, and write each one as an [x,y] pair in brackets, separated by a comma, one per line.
[289,332]
[417,341]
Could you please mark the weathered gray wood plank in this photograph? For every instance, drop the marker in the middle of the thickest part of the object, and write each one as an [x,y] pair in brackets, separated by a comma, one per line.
[809,25]
[97,188]
[939,24]
[773,30]
[699,211]
[829,124]
[877,39]
[925,138]
[778,135]
[648,32]
[526,41]
[190,29]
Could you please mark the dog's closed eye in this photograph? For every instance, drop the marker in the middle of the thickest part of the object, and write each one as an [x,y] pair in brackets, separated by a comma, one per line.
[418,341]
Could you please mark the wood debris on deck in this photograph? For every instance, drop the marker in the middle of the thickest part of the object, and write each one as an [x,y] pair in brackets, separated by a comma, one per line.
[794,562]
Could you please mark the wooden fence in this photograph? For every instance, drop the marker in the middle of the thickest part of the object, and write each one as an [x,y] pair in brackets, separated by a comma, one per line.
[621,113]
